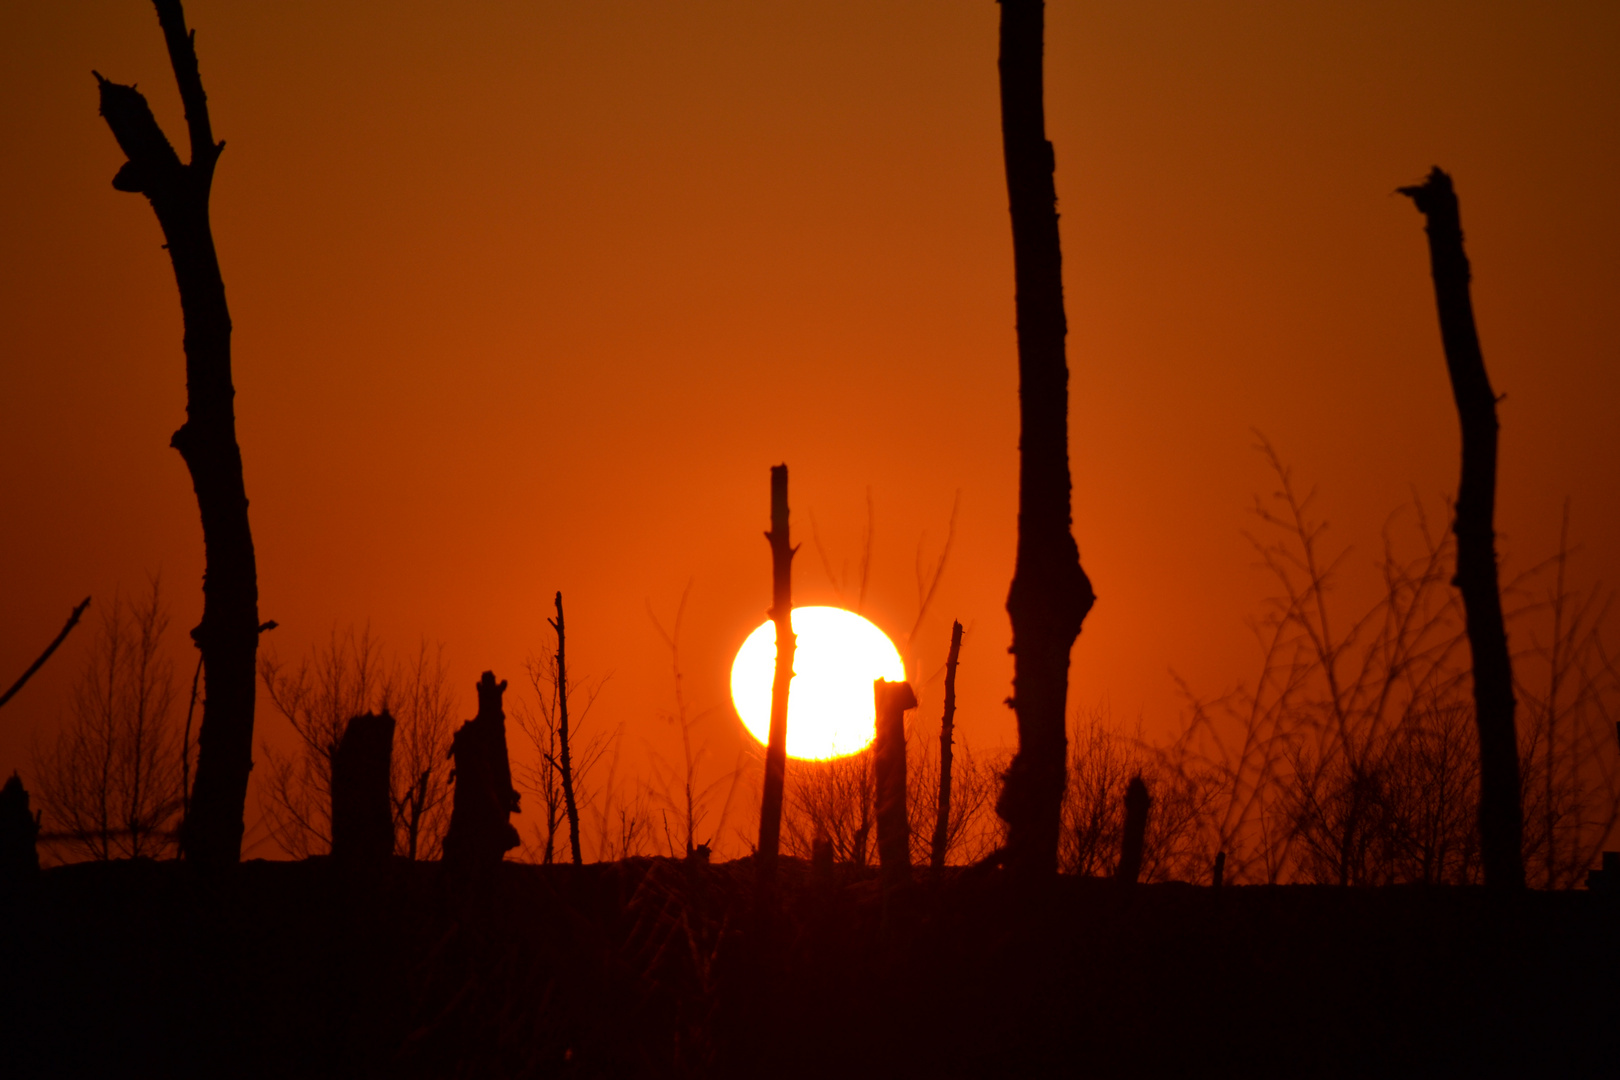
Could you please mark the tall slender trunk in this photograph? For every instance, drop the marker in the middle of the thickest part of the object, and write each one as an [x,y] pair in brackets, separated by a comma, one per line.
[1050,593]
[942,821]
[566,762]
[228,635]
[1501,819]
[782,551]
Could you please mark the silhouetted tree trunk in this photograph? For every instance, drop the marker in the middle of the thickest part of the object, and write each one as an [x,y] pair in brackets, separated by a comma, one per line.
[481,831]
[782,550]
[942,821]
[362,804]
[1137,804]
[889,762]
[228,635]
[565,763]
[1050,594]
[19,835]
[1218,874]
[73,620]
[1501,819]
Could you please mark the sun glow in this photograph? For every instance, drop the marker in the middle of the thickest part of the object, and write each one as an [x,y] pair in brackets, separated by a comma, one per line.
[830,708]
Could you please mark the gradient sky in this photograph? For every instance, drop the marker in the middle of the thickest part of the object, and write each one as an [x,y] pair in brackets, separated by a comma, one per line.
[529,296]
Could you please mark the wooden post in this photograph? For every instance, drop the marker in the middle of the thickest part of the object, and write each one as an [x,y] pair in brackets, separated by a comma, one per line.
[362,811]
[889,761]
[942,822]
[1501,818]
[1050,594]
[782,552]
[228,635]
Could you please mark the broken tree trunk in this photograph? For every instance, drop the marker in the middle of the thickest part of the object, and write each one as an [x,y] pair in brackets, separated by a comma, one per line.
[228,635]
[942,821]
[1501,821]
[782,551]
[19,836]
[1137,805]
[481,831]
[1050,593]
[73,620]
[362,804]
[891,700]
[565,761]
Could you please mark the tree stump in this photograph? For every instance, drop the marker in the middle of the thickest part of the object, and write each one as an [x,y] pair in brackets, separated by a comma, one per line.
[362,811]
[481,832]
[1137,803]
[889,762]
[19,835]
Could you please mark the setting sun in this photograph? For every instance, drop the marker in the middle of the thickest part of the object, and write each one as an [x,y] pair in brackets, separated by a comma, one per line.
[830,709]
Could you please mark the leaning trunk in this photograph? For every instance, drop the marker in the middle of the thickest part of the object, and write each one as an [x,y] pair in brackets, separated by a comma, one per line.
[1501,822]
[1050,594]
[228,634]
[942,820]
[770,810]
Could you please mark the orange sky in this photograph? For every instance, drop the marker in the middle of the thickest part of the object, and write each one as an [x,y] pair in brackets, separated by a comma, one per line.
[529,296]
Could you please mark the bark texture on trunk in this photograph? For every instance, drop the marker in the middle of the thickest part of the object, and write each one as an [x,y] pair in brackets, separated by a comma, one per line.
[565,762]
[228,635]
[1050,594]
[1501,819]
[1137,804]
[481,831]
[942,821]
[782,551]
[891,701]
[362,804]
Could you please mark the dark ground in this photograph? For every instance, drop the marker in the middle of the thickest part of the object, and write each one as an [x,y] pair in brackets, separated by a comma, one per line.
[651,967]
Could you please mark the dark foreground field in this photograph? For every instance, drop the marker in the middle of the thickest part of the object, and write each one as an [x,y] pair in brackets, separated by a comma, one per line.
[651,967]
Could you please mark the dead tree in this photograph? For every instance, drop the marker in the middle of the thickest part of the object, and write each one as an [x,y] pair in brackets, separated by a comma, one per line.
[1137,804]
[362,802]
[565,763]
[481,831]
[1501,820]
[891,701]
[228,635]
[782,551]
[1050,594]
[19,835]
[942,821]
[73,620]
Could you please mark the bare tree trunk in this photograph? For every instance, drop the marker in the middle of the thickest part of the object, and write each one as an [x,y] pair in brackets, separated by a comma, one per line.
[1137,804]
[362,814]
[73,620]
[889,763]
[1050,593]
[1501,820]
[942,822]
[228,635]
[782,551]
[565,762]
